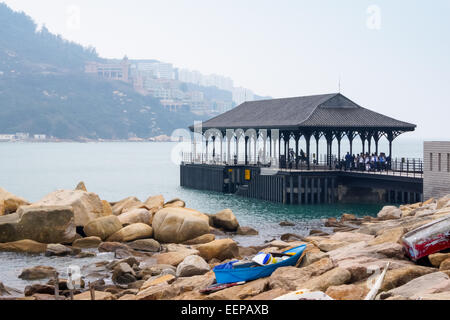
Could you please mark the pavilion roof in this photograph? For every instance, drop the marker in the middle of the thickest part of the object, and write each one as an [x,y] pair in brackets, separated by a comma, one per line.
[326,111]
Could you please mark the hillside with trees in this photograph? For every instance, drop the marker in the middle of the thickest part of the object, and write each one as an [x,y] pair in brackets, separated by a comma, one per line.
[44,90]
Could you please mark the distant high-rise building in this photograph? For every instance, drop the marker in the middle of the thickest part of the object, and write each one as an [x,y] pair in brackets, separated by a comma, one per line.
[158,70]
[212,80]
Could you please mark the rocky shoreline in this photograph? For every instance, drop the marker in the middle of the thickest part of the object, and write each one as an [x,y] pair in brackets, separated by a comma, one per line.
[165,251]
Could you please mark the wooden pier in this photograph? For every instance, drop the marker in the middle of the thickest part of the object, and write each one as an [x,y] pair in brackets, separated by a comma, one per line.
[273,167]
[303,187]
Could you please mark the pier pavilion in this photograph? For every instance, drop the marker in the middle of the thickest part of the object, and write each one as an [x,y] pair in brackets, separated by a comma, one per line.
[271,131]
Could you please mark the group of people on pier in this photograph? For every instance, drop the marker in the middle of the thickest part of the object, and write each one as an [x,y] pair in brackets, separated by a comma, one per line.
[359,162]
[365,162]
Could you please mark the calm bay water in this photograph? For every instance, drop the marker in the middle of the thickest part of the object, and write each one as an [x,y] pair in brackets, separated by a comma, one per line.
[118,169]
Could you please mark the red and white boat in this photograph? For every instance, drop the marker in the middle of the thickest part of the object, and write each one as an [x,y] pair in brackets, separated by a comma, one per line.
[428,239]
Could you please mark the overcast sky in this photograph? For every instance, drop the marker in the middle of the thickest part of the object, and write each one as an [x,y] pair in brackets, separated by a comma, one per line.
[391,56]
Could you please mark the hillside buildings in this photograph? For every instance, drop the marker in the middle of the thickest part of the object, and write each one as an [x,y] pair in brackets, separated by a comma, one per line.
[177,89]
[22,136]
[111,71]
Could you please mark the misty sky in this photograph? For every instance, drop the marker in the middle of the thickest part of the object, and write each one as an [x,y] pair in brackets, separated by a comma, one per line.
[392,56]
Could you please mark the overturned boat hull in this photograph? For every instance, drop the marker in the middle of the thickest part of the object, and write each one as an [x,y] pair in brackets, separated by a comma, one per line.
[428,239]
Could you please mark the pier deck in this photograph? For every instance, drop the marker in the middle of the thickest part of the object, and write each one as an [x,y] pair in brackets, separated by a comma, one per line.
[298,186]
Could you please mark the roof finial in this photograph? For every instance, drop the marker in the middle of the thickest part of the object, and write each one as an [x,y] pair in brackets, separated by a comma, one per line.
[339,83]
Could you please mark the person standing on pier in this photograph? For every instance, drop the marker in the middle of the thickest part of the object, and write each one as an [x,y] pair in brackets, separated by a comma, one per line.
[348,160]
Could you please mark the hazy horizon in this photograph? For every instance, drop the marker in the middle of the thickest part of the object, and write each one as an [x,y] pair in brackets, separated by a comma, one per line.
[390,57]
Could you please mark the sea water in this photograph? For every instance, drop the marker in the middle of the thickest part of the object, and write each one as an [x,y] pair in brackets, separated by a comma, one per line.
[116,170]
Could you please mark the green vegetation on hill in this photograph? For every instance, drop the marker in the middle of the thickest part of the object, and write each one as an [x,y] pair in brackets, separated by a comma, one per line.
[77,105]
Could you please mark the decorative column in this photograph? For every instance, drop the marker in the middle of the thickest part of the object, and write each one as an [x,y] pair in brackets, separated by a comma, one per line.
[376,137]
[317,136]
[206,153]
[390,137]
[270,146]
[308,149]
[350,136]
[193,147]
[264,147]
[228,150]
[255,148]
[279,149]
[221,148]
[237,147]
[339,137]
[362,135]
[329,138]
[297,139]
[246,148]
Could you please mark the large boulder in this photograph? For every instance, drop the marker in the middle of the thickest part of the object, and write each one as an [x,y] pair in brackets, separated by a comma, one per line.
[201,240]
[58,250]
[192,266]
[154,203]
[9,203]
[123,274]
[398,277]
[126,204]
[437,258]
[431,283]
[242,292]
[24,246]
[81,186]
[291,278]
[348,292]
[147,245]
[38,288]
[445,265]
[54,224]
[37,273]
[139,215]
[98,295]
[443,202]
[103,227]
[107,209]
[132,232]
[88,242]
[335,277]
[389,235]
[174,258]
[247,231]
[177,225]
[220,249]
[390,212]
[175,203]
[225,219]
[87,206]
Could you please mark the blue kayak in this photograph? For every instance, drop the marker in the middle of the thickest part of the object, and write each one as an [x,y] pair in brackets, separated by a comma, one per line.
[226,273]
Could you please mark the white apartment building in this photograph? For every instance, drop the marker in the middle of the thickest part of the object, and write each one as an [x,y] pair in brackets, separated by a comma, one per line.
[40,137]
[158,70]
[212,80]
[7,137]
[22,135]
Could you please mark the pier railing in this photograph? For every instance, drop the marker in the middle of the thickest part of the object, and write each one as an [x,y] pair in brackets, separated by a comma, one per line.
[408,167]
